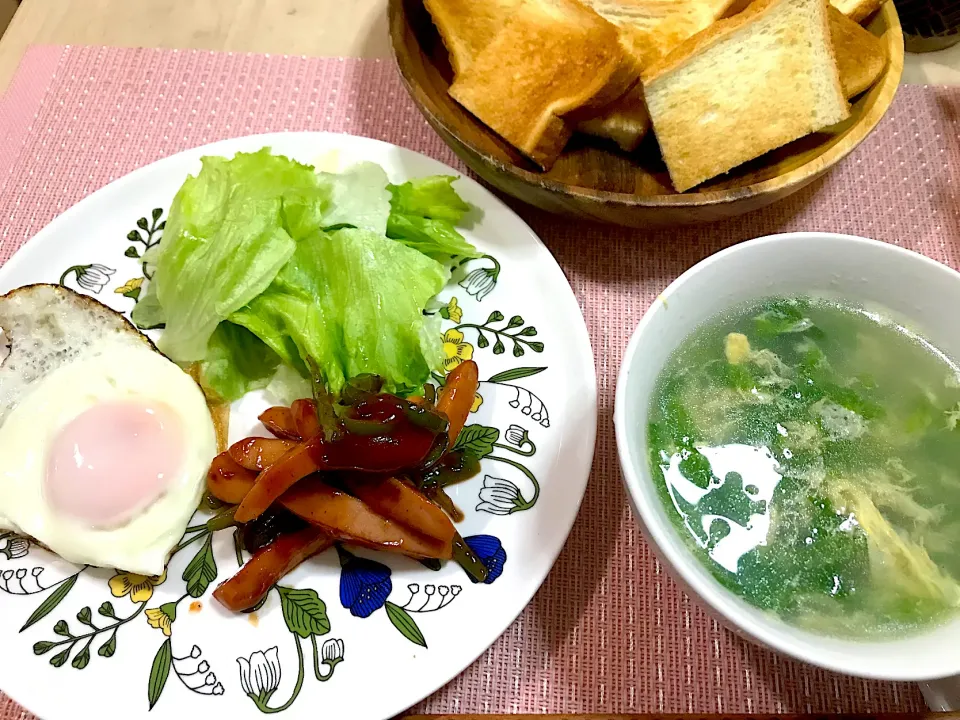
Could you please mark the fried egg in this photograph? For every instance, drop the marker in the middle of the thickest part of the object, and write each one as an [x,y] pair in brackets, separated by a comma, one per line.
[105,442]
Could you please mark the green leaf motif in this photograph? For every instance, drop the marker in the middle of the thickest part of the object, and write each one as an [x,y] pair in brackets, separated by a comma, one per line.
[304,612]
[170,610]
[498,347]
[85,616]
[131,252]
[51,602]
[202,570]
[60,658]
[42,647]
[477,441]
[61,628]
[109,647]
[536,346]
[82,658]
[159,672]
[405,624]
[142,223]
[515,374]
[528,331]
[517,350]
[482,341]
[515,321]
[106,609]
[134,236]
[495,316]
[157,212]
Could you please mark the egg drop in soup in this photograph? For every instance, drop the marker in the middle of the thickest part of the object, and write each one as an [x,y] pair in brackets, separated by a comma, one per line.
[807,452]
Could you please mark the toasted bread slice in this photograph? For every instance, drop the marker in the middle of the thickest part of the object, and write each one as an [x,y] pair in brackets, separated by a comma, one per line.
[551,58]
[626,121]
[857,10]
[649,29]
[861,55]
[655,27]
[744,86]
[468,26]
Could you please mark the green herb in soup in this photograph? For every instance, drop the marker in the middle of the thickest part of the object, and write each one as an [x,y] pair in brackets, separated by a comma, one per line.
[809,453]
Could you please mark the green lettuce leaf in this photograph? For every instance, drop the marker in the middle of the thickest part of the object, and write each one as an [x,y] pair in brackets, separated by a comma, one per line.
[436,239]
[352,301]
[229,232]
[358,197]
[237,362]
[423,213]
[147,313]
[429,197]
[266,264]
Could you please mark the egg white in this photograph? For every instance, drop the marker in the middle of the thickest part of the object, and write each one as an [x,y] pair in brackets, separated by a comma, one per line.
[118,370]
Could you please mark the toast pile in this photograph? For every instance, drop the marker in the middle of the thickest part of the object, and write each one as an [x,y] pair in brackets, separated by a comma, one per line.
[551,59]
[720,81]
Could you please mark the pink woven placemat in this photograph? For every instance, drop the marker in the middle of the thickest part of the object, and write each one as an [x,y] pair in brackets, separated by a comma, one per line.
[609,631]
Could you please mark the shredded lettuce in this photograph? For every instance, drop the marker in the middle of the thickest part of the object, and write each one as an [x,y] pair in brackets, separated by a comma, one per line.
[267,266]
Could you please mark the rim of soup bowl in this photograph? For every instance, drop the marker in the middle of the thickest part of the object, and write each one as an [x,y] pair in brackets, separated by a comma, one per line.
[898,658]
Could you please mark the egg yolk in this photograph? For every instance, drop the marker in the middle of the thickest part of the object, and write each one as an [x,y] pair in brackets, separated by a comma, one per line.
[113,461]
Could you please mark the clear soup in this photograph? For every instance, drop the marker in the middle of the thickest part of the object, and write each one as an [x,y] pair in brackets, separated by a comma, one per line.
[808,453]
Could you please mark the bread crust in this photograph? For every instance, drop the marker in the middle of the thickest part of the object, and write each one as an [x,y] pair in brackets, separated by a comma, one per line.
[857,10]
[553,57]
[705,39]
[861,55]
[732,92]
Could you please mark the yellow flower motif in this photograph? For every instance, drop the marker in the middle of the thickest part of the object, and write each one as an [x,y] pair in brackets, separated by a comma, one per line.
[159,619]
[454,311]
[129,286]
[477,402]
[138,587]
[455,349]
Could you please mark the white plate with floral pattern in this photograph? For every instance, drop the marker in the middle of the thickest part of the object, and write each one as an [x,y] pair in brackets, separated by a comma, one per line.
[351,633]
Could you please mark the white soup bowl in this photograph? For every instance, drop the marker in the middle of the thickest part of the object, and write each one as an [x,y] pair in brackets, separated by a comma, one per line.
[919,293]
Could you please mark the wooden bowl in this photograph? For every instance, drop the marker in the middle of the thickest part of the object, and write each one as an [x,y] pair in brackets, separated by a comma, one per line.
[597,181]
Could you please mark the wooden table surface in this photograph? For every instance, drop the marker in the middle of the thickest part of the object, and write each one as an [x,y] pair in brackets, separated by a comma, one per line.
[352,28]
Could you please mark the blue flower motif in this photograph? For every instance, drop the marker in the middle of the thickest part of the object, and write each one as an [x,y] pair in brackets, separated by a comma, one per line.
[364,584]
[490,551]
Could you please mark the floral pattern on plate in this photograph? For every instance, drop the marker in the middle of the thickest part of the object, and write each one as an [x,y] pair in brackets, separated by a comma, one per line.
[162,646]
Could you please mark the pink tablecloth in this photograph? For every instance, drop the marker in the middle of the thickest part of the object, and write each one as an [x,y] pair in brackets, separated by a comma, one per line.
[609,631]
